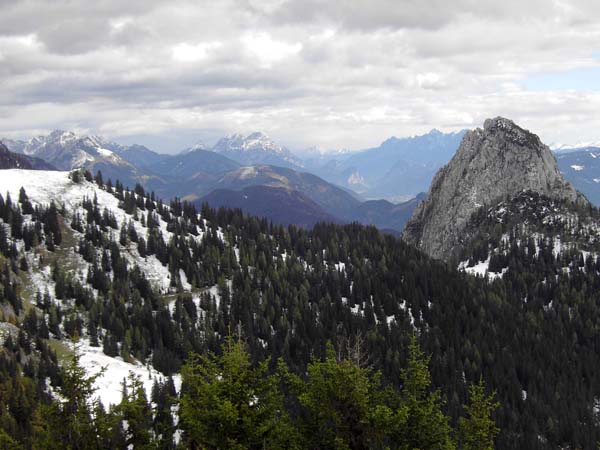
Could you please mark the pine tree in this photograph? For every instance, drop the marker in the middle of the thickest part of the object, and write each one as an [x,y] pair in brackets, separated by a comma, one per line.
[137,413]
[345,406]
[426,426]
[69,422]
[477,430]
[228,403]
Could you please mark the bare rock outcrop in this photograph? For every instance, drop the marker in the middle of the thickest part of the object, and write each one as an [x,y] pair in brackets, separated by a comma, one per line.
[491,164]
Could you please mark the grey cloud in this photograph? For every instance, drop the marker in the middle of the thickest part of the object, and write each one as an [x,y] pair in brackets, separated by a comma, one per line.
[360,71]
[423,14]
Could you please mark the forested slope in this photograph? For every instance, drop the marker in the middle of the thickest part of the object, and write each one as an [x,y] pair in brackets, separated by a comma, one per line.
[150,283]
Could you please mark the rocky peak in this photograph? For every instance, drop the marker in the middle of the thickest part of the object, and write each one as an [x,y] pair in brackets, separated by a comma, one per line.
[511,132]
[492,164]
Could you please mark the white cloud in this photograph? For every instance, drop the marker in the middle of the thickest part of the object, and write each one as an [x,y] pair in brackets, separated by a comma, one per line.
[333,74]
[267,50]
[193,52]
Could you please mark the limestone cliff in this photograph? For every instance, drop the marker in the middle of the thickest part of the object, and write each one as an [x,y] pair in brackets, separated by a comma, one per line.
[491,164]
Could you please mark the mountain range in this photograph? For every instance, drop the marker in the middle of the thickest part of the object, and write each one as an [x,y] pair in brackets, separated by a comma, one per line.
[11,160]
[233,164]
[495,278]
[399,168]
[256,149]
[376,186]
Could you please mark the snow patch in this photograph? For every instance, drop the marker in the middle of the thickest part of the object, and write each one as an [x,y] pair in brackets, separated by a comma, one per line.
[110,385]
[105,152]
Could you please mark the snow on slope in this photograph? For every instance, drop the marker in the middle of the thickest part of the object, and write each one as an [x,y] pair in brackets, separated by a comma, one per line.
[481,269]
[110,385]
[42,187]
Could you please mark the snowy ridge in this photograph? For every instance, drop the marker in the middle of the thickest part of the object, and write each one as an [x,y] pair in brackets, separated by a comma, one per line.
[43,187]
[534,226]
[66,150]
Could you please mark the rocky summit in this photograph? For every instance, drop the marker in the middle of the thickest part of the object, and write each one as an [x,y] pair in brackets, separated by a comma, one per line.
[492,164]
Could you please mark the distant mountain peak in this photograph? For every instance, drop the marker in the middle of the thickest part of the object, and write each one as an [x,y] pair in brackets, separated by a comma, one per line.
[255,148]
[67,150]
[197,146]
[12,160]
[57,134]
[254,141]
[556,146]
[258,135]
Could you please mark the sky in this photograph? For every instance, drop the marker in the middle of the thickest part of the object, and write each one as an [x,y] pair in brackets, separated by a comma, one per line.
[331,74]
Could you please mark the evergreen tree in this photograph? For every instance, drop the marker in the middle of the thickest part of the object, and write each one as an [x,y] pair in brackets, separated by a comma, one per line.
[137,413]
[477,430]
[228,403]
[426,426]
[345,406]
[70,421]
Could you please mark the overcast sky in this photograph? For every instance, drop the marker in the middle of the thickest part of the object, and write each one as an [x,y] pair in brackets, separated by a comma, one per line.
[336,74]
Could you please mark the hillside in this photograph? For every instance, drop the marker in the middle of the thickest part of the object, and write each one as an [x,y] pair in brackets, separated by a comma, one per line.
[147,283]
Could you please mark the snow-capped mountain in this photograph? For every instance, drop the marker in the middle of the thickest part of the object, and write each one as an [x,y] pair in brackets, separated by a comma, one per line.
[197,146]
[256,148]
[12,160]
[66,150]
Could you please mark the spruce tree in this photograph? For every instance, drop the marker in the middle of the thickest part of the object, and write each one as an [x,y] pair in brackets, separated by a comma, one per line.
[426,426]
[226,402]
[477,430]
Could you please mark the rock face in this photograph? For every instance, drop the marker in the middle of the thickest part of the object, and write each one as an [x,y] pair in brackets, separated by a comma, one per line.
[491,164]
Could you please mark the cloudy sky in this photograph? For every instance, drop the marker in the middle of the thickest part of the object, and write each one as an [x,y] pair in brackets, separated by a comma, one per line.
[328,73]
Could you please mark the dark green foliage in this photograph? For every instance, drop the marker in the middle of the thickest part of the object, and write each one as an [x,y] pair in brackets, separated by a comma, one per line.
[227,403]
[477,430]
[70,422]
[291,291]
[345,406]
